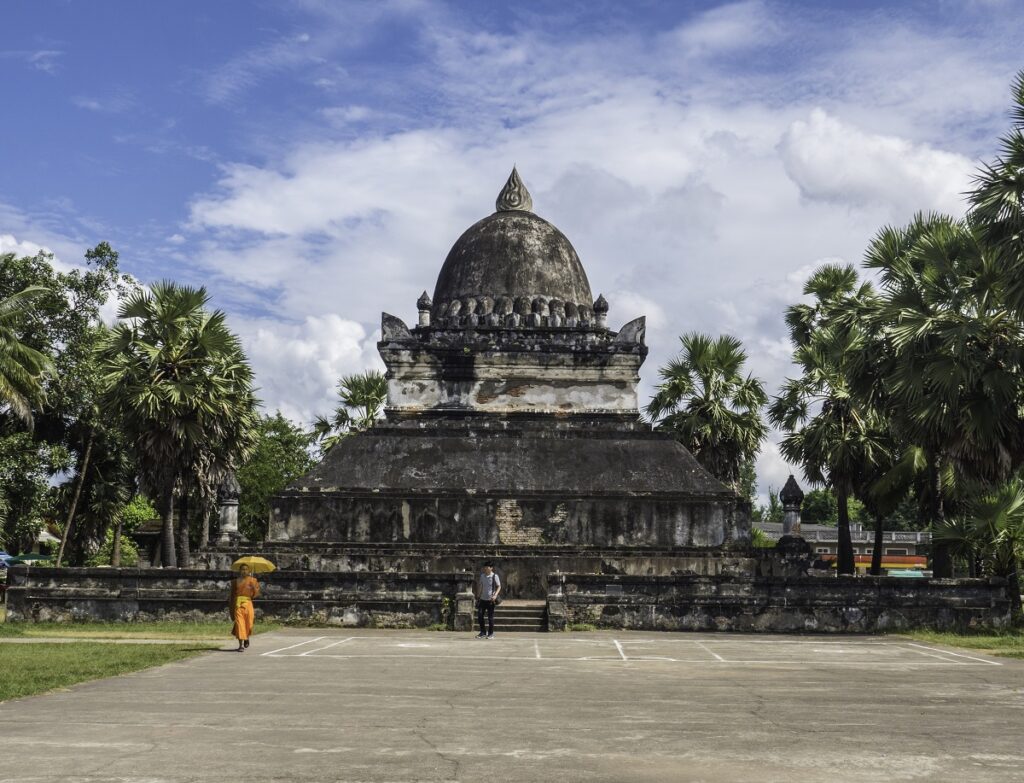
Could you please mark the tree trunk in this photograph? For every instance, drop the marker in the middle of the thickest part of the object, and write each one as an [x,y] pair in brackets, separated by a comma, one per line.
[1013,591]
[184,550]
[74,498]
[167,555]
[845,565]
[115,555]
[876,555]
[942,562]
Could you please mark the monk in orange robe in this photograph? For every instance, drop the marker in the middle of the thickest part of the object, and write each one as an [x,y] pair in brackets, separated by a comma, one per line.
[240,607]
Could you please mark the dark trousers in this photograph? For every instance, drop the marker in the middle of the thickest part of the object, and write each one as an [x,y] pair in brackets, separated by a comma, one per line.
[482,608]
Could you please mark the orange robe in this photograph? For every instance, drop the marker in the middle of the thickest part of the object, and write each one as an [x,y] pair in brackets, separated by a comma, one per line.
[243,591]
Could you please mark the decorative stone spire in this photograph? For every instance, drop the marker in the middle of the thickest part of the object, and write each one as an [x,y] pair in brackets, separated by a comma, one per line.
[791,492]
[423,305]
[514,196]
[792,498]
[601,311]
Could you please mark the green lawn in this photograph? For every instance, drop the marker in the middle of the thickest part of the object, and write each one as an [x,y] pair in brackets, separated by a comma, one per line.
[37,668]
[1009,644]
[209,629]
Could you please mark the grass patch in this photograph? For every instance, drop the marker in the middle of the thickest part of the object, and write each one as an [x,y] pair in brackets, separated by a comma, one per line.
[1008,644]
[157,629]
[29,669]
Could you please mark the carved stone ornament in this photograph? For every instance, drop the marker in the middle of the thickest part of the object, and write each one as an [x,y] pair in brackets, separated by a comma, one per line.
[229,490]
[514,196]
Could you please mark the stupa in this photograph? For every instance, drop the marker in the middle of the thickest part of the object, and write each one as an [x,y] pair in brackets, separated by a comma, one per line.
[511,422]
[512,434]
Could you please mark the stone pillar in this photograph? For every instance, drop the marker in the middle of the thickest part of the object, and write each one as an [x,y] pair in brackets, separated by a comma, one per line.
[601,312]
[227,499]
[792,498]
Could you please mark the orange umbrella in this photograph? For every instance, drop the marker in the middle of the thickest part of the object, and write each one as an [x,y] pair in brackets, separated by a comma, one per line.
[258,565]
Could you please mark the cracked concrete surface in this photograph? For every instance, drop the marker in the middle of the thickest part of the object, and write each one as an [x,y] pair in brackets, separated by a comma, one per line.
[379,706]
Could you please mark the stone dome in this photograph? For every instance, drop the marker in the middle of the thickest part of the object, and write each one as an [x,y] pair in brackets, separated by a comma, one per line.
[512,254]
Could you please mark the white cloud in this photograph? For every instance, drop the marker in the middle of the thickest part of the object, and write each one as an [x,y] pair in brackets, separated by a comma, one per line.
[726,29]
[225,83]
[699,190]
[11,244]
[298,365]
[833,161]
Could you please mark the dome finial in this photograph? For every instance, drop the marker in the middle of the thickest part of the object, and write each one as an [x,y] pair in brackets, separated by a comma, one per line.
[514,196]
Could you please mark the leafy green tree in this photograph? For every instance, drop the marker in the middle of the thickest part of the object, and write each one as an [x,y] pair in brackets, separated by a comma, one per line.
[709,406]
[179,380]
[281,454]
[747,484]
[66,327]
[819,508]
[361,399]
[21,366]
[26,501]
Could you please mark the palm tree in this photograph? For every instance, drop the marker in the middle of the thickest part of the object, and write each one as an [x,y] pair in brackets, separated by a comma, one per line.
[178,378]
[835,436]
[993,528]
[947,361]
[21,367]
[710,407]
[361,399]
[998,202]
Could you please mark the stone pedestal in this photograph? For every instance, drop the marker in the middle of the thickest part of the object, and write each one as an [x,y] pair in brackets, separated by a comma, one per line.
[227,499]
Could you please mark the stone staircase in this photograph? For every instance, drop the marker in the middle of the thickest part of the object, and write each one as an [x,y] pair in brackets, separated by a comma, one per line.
[517,615]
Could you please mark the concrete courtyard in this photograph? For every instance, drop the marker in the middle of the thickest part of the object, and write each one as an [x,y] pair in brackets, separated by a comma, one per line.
[338,705]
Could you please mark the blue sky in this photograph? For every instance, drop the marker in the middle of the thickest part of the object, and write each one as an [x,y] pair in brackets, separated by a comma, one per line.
[311,162]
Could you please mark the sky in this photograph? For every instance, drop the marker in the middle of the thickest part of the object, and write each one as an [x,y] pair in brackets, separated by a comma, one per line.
[312,161]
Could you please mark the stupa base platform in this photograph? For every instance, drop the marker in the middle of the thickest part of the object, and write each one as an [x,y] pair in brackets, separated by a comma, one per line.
[722,602]
[353,599]
[524,570]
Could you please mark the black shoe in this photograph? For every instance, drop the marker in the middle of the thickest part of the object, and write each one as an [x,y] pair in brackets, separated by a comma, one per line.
[246,644]
[481,635]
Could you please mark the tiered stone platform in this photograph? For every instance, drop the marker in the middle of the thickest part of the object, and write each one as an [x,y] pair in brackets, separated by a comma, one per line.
[525,570]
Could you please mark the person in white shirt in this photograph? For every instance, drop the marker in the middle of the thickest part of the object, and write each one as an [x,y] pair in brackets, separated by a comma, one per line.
[486,589]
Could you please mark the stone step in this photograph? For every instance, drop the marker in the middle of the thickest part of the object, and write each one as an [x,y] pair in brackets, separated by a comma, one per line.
[519,612]
[533,627]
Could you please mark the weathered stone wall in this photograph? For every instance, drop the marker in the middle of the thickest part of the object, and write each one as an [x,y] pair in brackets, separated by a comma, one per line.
[774,604]
[472,518]
[502,371]
[524,569]
[381,600]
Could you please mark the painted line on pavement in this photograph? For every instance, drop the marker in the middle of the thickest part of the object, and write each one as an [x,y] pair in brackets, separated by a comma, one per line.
[297,644]
[327,647]
[958,655]
[709,651]
[864,664]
